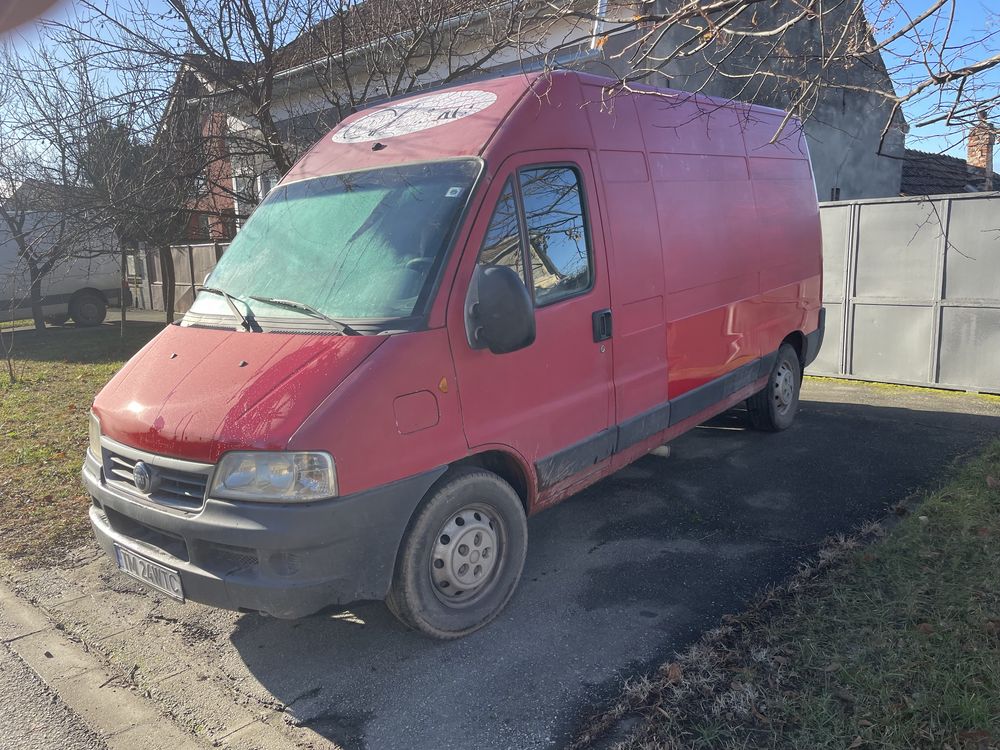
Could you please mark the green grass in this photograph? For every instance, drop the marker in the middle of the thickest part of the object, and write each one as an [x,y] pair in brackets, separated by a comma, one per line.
[903,648]
[891,645]
[7,324]
[43,426]
[936,392]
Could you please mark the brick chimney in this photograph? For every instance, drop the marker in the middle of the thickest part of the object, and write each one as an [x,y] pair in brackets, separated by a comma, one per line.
[980,154]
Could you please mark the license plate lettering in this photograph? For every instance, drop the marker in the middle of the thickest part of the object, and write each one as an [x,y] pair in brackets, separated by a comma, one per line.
[159,577]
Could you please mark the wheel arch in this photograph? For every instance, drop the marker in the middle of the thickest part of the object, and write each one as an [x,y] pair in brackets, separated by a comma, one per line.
[507,466]
[88,290]
[797,340]
[504,463]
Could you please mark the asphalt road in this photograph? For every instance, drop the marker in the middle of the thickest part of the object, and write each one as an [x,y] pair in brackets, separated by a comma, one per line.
[32,717]
[616,578]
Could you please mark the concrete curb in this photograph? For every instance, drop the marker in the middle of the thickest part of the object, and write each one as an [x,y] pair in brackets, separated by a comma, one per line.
[123,719]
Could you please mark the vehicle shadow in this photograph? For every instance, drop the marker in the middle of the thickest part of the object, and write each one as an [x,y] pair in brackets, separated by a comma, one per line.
[616,579]
[79,345]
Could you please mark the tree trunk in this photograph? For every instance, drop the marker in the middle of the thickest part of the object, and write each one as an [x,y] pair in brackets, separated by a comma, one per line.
[123,293]
[36,296]
[169,288]
[8,355]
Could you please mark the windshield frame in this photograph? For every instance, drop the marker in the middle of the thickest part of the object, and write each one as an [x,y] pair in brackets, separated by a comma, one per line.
[367,326]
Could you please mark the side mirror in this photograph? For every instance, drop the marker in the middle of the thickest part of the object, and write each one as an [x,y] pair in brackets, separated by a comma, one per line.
[499,314]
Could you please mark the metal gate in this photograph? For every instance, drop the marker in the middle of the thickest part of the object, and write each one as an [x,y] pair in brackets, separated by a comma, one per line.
[912,291]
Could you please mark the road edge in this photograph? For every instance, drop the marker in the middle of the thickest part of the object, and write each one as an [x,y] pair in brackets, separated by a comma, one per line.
[123,719]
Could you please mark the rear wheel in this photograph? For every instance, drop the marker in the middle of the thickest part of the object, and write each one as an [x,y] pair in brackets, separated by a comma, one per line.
[88,309]
[462,556]
[773,408]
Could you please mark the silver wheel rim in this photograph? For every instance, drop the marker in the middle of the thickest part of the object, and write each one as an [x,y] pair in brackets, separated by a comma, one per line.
[467,555]
[783,390]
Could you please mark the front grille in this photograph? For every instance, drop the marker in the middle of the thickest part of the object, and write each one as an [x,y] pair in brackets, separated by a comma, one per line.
[184,490]
[164,541]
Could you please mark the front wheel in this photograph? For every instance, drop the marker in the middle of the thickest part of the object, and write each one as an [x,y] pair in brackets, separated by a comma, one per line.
[773,408]
[462,556]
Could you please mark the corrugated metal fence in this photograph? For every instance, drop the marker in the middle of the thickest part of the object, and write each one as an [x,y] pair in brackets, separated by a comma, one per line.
[912,291]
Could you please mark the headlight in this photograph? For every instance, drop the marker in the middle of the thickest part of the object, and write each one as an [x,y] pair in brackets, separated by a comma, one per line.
[274,477]
[95,436]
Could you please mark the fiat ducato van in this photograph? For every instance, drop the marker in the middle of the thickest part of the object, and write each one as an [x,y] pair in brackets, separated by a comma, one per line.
[456,310]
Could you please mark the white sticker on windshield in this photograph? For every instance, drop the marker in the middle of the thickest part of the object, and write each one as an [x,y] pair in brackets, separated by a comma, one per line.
[453,192]
[414,115]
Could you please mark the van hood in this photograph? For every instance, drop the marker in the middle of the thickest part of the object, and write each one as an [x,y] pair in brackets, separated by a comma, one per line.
[195,393]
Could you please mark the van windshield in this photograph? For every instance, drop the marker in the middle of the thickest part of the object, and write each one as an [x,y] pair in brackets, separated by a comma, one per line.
[352,246]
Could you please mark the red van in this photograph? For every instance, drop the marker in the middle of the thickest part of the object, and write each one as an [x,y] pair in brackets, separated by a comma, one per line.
[456,310]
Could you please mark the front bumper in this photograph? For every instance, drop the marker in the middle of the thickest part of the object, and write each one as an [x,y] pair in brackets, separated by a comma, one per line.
[285,560]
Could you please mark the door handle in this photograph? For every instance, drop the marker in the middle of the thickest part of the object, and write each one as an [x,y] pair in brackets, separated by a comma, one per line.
[602,325]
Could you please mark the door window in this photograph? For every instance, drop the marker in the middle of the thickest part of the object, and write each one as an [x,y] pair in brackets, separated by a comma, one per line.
[553,212]
[502,246]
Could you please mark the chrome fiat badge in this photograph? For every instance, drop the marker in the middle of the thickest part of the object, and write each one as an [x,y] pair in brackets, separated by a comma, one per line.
[142,475]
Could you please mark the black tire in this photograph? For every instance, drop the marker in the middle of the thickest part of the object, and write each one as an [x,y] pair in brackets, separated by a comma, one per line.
[476,511]
[773,408]
[88,309]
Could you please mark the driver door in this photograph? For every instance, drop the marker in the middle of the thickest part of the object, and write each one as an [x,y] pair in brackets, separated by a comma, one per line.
[552,401]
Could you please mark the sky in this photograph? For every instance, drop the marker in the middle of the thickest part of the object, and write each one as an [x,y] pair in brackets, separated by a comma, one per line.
[970,24]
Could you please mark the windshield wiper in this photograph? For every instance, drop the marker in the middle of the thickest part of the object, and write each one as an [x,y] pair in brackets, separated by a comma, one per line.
[309,310]
[230,300]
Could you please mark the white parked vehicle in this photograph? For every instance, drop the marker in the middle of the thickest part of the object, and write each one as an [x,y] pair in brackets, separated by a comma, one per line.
[81,288]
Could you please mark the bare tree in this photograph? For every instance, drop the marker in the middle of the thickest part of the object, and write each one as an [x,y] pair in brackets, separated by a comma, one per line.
[43,216]
[45,223]
[131,188]
[103,124]
[229,49]
[795,53]
[357,53]
[261,79]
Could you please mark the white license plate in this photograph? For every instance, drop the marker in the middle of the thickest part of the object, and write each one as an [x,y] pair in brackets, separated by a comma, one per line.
[159,577]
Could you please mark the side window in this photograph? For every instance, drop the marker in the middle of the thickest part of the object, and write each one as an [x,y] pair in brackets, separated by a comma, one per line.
[502,246]
[553,211]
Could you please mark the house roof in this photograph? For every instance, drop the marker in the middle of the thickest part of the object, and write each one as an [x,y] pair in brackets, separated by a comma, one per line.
[214,66]
[362,23]
[938,174]
[358,25]
[354,26]
[39,195]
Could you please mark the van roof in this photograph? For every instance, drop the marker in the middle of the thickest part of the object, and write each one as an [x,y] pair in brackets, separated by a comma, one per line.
[456,121]
[465,120]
